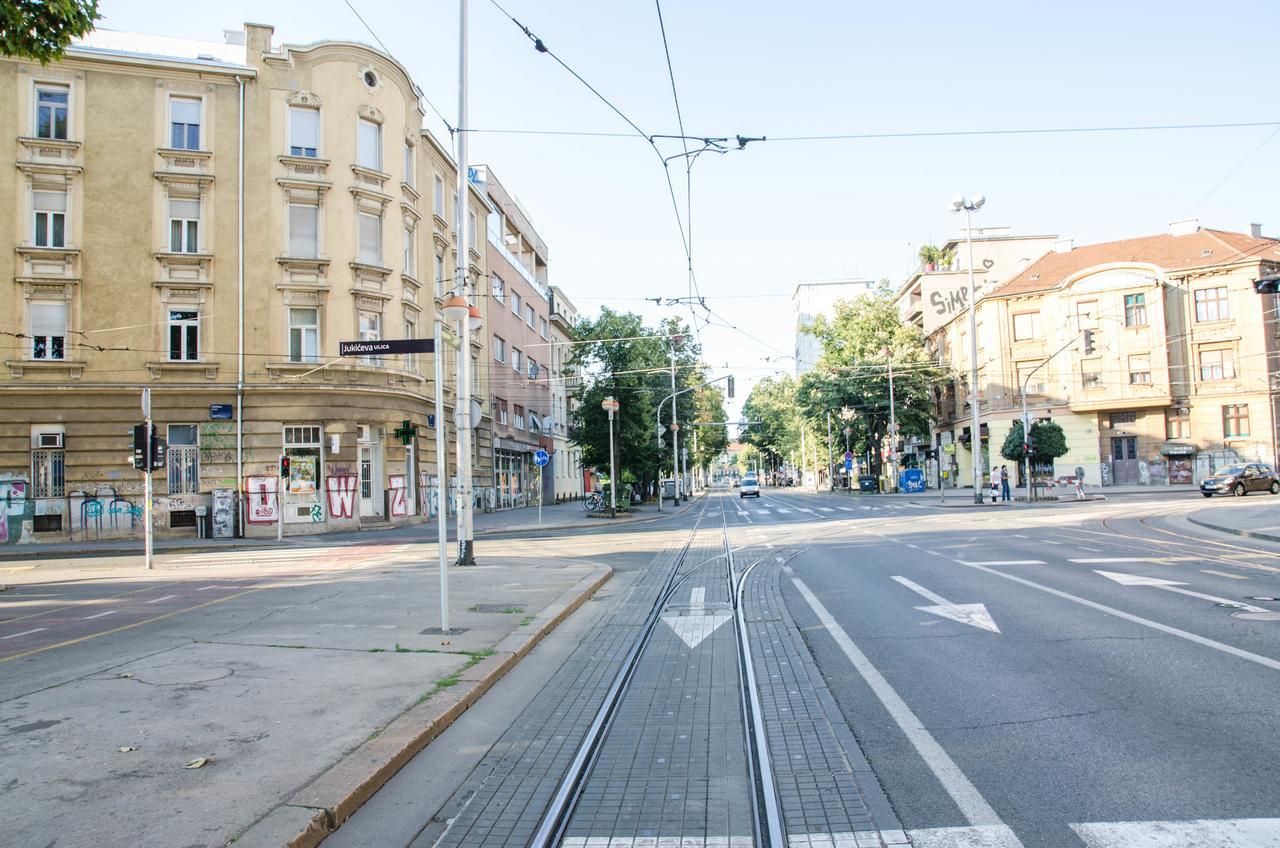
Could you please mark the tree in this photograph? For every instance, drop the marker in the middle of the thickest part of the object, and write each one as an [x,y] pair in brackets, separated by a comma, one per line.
[773,426]
[708,405]
[43,29]
[747,458]
[1048,442]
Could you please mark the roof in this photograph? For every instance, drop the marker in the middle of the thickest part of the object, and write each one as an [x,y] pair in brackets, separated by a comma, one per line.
[1204,248]
[145,46]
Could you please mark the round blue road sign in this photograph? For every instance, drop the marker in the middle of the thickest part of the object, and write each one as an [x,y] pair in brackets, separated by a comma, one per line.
[541,457]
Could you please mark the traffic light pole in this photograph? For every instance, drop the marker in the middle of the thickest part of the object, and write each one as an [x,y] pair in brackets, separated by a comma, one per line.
[148,461]
[1026,416]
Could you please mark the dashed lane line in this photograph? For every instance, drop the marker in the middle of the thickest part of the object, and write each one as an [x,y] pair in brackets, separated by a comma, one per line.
[1223,574]
[98,615]
[23,633]
[165,598]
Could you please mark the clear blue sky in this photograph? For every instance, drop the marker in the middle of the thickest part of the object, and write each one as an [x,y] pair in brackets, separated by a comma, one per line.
[780,212]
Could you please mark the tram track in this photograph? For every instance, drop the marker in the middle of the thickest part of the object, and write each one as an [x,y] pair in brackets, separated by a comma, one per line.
[766,817]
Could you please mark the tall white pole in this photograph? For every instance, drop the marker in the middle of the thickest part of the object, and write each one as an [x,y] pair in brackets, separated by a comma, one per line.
[831,468]
[675,427]
[893,433]
[147,530]
[975,439]
[466,547]
[442,477]
[613,476]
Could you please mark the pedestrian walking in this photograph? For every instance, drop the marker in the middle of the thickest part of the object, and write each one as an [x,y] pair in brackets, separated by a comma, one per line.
[1004,483]
[995,487]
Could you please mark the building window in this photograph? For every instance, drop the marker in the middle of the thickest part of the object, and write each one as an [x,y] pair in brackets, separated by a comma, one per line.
[304,231]
[1135,310]
[519,417]
[184,225]
[370,330]
[542,327]
[1091,374]
[369,145]
[515,359]
[1024,326]
[48,473]
[1211,304]
[471,230]
[52,111]
[48,330]
[1086,314]
[1177,424]
[499,349]
[1235,420]
[370,250]
[184,335]
[1126,417]
[439,275]
[408,164]
[1139,369]
[533,368]
[184,123]
[1217,364]
[438,202]
[50,222]
[304,131]
[183,460]
[410,259]
[515,304]
[502,411]
[529,316]
[411,332]
[304,334]
[499,289]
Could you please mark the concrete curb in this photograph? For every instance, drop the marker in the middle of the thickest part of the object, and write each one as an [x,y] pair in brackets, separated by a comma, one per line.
[1235,531]
[322,806]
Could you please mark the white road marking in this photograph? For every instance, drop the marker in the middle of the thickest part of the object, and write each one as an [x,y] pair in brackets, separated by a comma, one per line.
[1221,833]
[203,588]
[782,511]
[973,614]
[768,544]
[846,509]
[762,511]
[991,836]
[1172,586]
[826,509]
[1266,662]
[1006,562]
[698,624]
[1101,560]
[98,615]
[972,805]
[698,597]
[1050,542]
[909,545]
[843,839]
[1090,550]
[1017,535]
[158,600]
[23,633]
[803,509]
[1223,574]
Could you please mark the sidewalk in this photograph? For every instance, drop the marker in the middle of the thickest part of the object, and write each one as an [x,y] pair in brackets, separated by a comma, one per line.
[301,699]
[963,497]
[563,516]
[1254,517]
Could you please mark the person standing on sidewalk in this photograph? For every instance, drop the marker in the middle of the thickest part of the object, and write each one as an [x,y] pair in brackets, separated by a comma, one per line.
[1004,483]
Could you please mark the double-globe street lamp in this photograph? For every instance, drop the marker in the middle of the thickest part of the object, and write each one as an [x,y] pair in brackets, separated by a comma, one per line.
[969,206]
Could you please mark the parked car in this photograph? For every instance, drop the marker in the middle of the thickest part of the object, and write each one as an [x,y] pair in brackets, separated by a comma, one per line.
[749,488]
[1240,480]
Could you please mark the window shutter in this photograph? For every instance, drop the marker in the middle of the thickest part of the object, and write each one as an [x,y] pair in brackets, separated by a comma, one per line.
[49,201]
[189,209]
[48,319]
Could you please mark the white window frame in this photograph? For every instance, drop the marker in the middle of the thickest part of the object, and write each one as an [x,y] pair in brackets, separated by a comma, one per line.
[55,346]
[1224,369]
[1024,326]
[363,126]
[440,275]
[371,334]
[304,331]
[515,304]
[410,257]
[290,235]
[408,164]
[303,150]
[198,102]
[187,352]
[363,253]
[498,289]
[530,315]
[516,359]
[411,332]
[65,108]
[188,234]
[437,204]
[472,224]
[45,228]
[1139,376]
[543,327]
[499,349]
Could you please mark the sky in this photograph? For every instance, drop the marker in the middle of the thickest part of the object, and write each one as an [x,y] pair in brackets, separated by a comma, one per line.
[783,211]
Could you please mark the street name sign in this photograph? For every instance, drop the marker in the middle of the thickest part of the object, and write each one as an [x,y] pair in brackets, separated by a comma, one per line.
[386,347]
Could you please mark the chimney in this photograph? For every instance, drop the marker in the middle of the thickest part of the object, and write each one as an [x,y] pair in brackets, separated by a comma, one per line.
[1255,230]
[235,37]
[259,38]
[1064,245]
[1184,227]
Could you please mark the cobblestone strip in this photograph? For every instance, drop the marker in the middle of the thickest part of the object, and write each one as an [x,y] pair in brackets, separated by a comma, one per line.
[502,800]
[830,797]
[674,765]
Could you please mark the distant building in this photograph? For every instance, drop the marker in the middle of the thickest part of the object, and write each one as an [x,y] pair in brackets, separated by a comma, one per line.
[812,299]
[566,460]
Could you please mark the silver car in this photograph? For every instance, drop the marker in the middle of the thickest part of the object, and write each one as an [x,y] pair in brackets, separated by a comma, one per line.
[749,487]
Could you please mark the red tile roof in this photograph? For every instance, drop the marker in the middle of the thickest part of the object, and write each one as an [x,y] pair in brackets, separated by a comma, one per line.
[1201,249]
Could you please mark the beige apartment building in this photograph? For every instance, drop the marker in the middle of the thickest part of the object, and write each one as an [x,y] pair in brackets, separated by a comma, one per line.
[208,221]
[570,484]
[1179,378]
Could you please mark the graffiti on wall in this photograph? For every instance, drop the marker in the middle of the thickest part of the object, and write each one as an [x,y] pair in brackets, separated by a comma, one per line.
[341,491]
[15,509]
[399,503]
[263,504]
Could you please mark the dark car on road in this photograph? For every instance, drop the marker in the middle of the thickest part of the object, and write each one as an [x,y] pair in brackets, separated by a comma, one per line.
[1240,480]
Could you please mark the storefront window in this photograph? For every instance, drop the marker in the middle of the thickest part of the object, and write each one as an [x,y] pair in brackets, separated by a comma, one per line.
[302,501]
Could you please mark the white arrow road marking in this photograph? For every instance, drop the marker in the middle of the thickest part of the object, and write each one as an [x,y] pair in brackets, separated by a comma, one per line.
[991,836]
[973,806]
[698,624]
[1172,586]
[974,614]
[23,633]
[1221,833]
[98,615]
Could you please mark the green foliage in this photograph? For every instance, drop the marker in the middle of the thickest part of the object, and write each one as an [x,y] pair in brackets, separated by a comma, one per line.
[42,29]
[1048,442]
[774,426]
[747,458]
[930,253]
[708,405]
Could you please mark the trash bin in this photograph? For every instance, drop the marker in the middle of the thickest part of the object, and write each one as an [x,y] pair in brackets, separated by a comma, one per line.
[868,483]
[204,524]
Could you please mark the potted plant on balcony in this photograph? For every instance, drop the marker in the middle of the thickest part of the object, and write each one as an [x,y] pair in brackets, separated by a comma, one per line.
[930,257]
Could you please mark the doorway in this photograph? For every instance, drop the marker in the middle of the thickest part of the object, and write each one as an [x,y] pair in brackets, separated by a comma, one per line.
[370,457]
[1124,460]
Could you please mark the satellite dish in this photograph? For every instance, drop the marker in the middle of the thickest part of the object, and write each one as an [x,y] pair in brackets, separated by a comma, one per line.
[548,425]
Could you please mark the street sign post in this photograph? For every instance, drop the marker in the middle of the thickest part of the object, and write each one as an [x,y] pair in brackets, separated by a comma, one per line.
[540,459]
[386,347]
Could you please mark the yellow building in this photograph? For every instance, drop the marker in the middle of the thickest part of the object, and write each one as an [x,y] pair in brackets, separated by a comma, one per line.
[1176,376]
[208,221]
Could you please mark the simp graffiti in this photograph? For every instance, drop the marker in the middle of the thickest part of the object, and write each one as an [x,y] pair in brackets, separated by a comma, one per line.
[341,491]
[15,508]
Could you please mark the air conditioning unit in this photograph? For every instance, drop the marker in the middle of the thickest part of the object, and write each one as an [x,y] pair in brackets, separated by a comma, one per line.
[49,440]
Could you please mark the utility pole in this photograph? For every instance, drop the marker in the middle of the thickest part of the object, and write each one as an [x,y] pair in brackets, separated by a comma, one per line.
[442,477]
[675,425]
[831,469]
[147,531]
[466,546]
[893,429]
[971,205]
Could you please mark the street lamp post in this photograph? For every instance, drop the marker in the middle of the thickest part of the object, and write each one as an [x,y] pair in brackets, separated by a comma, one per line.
[610,406]
[971,205]
[466,545]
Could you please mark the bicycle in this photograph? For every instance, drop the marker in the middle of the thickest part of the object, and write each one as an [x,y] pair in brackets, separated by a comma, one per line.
[593,501]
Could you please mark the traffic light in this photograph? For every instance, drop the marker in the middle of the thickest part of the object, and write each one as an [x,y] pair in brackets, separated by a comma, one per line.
[1029,444]
[1267,285]
[729,386]
[141,448]
[284,467]
[1088,343]
[159,447]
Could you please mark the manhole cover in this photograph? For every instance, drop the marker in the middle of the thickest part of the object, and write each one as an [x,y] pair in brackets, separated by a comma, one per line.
[1258,616]
[1262,598]
[436,631]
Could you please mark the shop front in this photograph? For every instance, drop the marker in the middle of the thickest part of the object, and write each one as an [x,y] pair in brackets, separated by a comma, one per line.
[514,475]
[1180,457]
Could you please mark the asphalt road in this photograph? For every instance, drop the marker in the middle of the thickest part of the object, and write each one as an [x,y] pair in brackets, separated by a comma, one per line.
[1092,674]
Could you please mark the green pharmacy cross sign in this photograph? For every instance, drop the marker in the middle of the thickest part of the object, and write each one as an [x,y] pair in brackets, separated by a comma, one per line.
[406,432]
